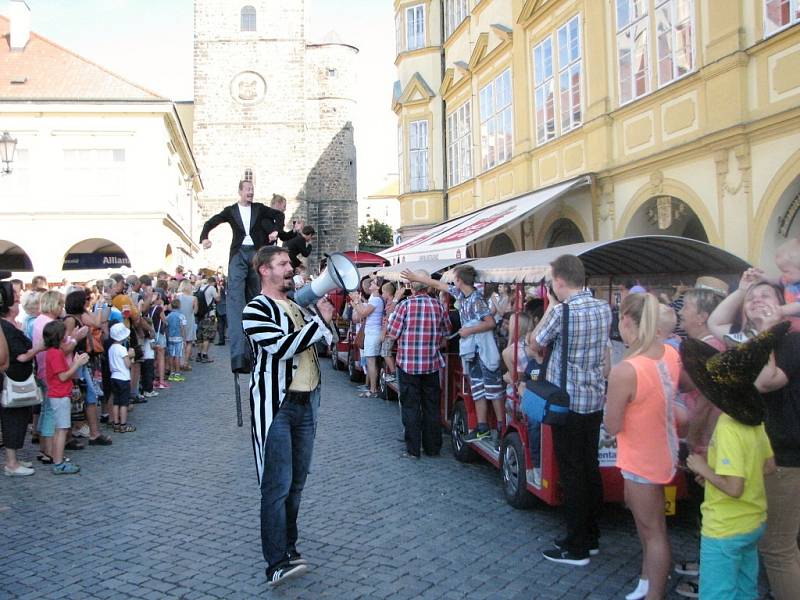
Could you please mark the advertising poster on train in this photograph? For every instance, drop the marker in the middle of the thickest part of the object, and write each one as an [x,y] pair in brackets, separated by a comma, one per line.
[606,449]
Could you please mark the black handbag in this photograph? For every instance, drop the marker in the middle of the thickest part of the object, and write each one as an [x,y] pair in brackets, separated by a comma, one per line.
[546,402]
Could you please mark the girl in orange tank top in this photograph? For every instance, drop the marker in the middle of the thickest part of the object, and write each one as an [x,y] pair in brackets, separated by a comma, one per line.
[641,412]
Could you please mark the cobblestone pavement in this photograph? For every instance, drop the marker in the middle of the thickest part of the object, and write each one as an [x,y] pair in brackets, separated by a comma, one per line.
[171,511]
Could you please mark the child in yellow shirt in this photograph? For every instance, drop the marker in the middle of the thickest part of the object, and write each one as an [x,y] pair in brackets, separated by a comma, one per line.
[734,510]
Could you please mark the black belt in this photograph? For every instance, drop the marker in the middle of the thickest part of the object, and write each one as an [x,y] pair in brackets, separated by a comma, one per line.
[298,397]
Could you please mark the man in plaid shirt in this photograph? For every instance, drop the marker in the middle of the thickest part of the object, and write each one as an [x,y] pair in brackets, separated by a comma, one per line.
[575,443]
[419,325]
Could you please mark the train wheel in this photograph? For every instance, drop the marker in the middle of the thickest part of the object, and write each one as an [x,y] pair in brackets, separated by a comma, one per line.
[383,389]
[513,470]
[459,429]
[351,368]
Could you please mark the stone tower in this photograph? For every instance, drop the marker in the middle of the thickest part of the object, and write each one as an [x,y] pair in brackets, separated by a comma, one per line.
[267,100]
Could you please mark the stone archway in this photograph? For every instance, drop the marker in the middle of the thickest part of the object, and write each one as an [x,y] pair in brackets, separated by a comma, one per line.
[784,223]
[14,258]
[95,253]
[501,244]
[666,215]
[562,232]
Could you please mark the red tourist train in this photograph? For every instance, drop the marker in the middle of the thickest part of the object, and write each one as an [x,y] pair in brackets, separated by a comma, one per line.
[657,262]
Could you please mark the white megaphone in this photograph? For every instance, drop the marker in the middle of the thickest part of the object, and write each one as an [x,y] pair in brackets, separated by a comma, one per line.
[340,273]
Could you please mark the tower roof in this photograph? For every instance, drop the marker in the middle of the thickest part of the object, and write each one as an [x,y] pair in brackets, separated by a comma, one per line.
[43,70]
[332,38]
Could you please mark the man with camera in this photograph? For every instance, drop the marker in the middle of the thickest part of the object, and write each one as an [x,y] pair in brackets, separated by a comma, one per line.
[284,401]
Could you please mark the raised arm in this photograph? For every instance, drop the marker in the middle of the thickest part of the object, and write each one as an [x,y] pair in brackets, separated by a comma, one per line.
[426,279]
[721,320]
[217,219]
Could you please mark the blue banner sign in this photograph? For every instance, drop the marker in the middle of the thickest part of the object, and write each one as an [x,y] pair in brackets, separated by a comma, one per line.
[76,261]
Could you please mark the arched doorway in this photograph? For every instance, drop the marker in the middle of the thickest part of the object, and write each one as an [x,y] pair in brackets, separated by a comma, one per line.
[562,233]
[501,244]
[169,260]
[666,215]
[95,253]
[785,223]
[13,257]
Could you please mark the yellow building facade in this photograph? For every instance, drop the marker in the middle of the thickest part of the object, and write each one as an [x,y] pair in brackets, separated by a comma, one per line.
[684,115]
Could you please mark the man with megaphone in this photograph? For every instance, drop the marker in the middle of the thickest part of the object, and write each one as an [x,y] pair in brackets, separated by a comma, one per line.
[284,401]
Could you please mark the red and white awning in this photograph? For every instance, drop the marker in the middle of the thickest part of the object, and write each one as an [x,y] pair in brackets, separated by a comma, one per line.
[451,238]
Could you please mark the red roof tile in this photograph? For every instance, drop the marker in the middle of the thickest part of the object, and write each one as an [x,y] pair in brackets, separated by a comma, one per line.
[51,72]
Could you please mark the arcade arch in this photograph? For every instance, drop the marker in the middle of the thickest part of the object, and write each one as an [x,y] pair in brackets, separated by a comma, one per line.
[501,244]
[14,258]
[666,215]
[95,253]
[561,233]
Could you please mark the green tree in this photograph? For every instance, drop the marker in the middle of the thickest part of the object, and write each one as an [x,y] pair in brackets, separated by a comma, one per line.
[375,233]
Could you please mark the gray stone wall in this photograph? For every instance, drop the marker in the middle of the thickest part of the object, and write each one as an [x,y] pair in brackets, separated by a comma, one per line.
[268,102]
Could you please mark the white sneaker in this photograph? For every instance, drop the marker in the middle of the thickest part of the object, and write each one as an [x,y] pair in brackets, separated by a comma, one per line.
[640,592]
[152,394]
[82,432]
[20,471]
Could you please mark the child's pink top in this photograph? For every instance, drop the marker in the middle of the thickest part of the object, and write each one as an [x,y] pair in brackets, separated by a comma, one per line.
[38,327]
[647,446]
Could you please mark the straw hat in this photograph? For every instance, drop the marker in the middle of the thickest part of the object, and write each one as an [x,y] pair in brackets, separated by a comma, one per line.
[717,286]
[726,378]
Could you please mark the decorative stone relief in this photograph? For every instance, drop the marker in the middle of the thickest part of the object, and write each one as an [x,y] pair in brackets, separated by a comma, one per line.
[606,208]
[733,171]
[248,88]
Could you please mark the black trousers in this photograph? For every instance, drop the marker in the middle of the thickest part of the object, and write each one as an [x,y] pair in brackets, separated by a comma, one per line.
[15,425]
[222,325]
[148,374]
[576,452]
[419,400]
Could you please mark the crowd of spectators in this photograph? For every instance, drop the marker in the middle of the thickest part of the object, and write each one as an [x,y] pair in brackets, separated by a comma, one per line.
[97,350]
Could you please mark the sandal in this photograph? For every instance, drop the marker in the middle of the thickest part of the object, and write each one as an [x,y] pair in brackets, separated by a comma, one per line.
[46,459]
[689,567]
[368,394]
[688,588]
[126,428]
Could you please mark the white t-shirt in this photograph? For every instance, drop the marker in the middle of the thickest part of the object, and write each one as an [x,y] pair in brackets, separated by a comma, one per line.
[244,212]
[116,362]
[374,320]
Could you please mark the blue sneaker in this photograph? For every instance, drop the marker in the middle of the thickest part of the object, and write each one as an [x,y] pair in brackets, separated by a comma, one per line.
[66,468]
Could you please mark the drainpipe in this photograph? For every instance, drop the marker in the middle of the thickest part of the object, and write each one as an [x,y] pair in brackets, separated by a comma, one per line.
[445,197]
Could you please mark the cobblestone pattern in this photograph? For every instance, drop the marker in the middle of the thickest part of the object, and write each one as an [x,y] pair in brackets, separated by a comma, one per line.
[171,511]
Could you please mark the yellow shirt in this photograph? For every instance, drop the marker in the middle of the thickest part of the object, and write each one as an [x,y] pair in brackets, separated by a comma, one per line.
[738,450]
[306,376]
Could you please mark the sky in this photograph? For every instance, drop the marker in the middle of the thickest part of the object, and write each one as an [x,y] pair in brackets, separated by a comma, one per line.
[150,42]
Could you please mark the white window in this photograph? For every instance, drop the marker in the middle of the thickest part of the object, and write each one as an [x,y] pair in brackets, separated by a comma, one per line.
[632,56]
[455,11]
[400,158]
[418,155]
[415,27]
[569,74]
[398,32]
[248,18]
[674,39]
[497,121]
[779,14]
[459,144]
[543,91]
[94,172]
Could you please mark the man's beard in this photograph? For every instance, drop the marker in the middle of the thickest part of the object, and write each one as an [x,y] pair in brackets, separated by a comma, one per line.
[287,285]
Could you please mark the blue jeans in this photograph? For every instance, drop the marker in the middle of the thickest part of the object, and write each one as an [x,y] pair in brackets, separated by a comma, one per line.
[729,566]
[242,287]
[290,443]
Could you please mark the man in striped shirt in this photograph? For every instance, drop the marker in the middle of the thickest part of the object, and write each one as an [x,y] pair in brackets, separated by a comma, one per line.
[419,324]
